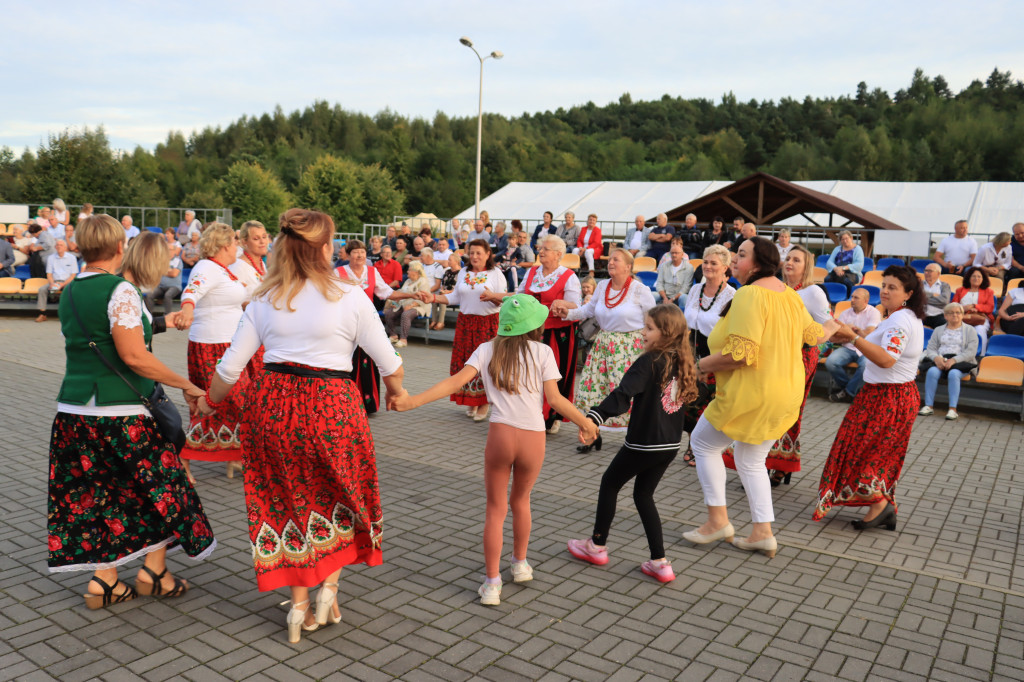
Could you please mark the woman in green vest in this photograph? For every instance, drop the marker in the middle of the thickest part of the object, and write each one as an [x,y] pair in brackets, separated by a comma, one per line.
[117,490]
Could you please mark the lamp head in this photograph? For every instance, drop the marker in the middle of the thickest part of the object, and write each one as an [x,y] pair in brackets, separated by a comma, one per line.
[466,41]
[497,54]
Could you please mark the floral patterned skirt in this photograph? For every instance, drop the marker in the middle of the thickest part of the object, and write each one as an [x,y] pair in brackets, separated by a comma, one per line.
[367,378]
[562,341]
[310,479]
[214,438]
[116,492]
[867,455]
[255,366]
[470,332]
[785,453]
[610,356]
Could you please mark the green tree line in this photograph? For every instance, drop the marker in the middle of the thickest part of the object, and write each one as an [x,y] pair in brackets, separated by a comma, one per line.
[364,168]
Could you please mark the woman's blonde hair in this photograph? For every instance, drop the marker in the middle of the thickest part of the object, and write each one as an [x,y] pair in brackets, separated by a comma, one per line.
[243,233]
[146,260]
[1002,240]
[589,279]
[299,256]
[674,346]
[416,267]
[626,255]
[718,251]
[215,237]
[807,278]
[510,363]
[59,205]
[98,236]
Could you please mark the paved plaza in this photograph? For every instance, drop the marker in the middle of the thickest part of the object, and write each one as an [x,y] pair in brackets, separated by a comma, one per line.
[942,598]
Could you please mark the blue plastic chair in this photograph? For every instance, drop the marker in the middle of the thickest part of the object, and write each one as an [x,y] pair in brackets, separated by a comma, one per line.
[920,264]
[874,293]
[734,283]
[648,278]
[883,263]
[927,335]
[155,230]
[1006,345]
[185,273]
[836,292]
[822,260]
[869,264]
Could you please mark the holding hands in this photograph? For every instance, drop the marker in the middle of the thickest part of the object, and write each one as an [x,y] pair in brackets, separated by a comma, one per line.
[588,432]
[183,318]
[491,296]
[560,308]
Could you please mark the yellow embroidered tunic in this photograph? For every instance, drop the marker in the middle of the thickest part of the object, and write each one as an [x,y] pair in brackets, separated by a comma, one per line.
[767,329]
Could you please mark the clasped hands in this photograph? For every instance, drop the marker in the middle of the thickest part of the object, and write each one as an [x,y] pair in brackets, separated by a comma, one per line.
[588,433]
[560,308]
[398,402]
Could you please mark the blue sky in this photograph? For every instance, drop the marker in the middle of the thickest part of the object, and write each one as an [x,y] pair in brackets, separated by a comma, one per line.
[142,69]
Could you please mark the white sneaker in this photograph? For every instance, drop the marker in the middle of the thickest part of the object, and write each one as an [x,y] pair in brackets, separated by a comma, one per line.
[522,572]
[555,427]
[401,343]
[951,414]
[925,411]
[490,594]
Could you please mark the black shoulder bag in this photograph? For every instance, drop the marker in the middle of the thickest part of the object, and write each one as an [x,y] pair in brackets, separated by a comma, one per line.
[166,414]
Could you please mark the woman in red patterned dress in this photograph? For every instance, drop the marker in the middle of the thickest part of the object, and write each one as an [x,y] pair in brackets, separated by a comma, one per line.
[310,468]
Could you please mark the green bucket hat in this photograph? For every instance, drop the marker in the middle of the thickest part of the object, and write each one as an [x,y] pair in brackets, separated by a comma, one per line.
[520,314]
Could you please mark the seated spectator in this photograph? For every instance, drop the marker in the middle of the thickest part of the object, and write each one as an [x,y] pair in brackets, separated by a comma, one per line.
[130,231]
[190,253]
[401,251]
[744,231]
[170,283]
[373,255]
[60,212]
[69,239]
[659,238]
[994,256]
[55,229]
[448,281]
[426,234]
[522,256]
[414,251]
[85,212]
[588,285]
[170,238]
[42,247]
[61,268]
[390,238]
[956,253]
[499,240]
[979,302]
[692,237]
[937,294]
[1016,253]
[543,230]
[846,263]
[463,238]
[6,258]
[783,243]
[442,250]
[862,319]
[389,269]
[636,241]
[340,255]
[404,307]
[675,274]
[952,352]
[454,229]
[432,270]
[588,244]
[1011,312]
[21,241]
[42,218]
[517,227]
[717,234]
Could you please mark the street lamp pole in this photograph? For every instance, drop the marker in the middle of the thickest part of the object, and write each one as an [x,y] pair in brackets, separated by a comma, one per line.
[496,54]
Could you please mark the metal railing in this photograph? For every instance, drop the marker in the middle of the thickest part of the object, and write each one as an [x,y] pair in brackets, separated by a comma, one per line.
[153,216]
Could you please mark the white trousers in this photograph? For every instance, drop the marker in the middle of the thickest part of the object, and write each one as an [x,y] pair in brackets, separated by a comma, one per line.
[587,254]
[708,444]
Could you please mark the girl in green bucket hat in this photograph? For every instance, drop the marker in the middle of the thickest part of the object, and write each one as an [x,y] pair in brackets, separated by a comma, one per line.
[518,373]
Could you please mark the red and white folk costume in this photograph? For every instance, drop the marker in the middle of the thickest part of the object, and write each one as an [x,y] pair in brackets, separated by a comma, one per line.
[364,370]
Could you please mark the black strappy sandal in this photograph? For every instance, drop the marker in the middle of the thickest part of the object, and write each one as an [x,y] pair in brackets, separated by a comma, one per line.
[98,601]
[689,458]
[156,589]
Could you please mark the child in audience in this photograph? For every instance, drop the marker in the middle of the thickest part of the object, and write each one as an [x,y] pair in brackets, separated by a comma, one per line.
[518,372]
[588,285]
[658,384]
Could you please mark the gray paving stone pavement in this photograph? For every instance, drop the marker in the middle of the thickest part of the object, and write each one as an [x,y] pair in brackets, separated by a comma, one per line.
[942,598]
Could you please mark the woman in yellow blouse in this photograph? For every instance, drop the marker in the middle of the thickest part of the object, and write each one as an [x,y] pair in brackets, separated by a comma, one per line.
[755,356]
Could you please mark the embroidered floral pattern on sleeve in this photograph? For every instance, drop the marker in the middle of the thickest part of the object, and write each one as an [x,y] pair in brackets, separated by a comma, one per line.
[741,349]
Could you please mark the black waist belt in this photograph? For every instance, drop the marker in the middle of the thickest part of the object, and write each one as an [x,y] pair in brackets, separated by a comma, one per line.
[307,371]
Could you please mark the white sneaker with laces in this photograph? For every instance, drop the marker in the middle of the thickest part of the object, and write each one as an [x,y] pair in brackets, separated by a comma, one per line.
[951,414]
[925,411]
[490,594]
[521,572]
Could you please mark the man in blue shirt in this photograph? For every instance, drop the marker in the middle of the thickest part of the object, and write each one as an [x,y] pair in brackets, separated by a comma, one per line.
[130,231]
[660,238]
[1016,253]
[61,268]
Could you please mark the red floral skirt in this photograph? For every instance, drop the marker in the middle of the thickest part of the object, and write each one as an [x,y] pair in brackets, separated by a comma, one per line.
[470,332]
[310,479]
[214,438]
[867,455]
[785,453]
[116,492]
[255,366]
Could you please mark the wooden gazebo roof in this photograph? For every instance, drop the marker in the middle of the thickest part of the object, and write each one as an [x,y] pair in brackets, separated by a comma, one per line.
[767,200]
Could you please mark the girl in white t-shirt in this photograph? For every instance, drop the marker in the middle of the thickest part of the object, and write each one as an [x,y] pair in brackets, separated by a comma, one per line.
[518,373]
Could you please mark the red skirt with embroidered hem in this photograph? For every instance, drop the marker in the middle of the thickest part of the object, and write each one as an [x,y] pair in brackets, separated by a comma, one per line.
[562,341]
[867,455]
[214,438]
[785,453]
[470,332]
[311,491]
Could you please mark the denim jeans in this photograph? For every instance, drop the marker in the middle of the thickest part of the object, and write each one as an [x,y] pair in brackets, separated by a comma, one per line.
[836,365]
[931,383]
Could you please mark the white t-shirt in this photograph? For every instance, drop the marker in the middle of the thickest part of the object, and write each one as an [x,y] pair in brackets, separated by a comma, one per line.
[1016,296]
[471,284]
[988,256]
[816,302]
[247,275]
[869,317]
[901,335]
[958,251]
[524,410]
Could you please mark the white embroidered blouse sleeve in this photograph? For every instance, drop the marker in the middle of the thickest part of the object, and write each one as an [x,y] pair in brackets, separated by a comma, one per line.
[199,284]
[587,310]
[573,292]
[244,345]
[125,307]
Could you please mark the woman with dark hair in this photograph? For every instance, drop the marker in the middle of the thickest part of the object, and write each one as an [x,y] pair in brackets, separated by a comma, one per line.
[310,468]
[979,302]
[717,234]
[867,455]
[755,355]
[477,321]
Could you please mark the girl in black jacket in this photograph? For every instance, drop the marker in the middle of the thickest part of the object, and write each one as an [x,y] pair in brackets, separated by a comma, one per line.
[658,384]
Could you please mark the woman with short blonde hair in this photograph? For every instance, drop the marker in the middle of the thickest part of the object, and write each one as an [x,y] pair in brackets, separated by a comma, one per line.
[145,260]
[100,241]
[214,238]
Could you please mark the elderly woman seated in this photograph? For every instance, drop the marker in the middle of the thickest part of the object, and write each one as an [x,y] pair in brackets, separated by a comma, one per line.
[952,352]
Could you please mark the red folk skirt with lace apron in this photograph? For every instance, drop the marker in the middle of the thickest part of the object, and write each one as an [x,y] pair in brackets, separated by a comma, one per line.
[364,370]
[560,335]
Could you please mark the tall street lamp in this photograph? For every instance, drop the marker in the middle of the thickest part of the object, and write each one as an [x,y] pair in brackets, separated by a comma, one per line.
[480,113]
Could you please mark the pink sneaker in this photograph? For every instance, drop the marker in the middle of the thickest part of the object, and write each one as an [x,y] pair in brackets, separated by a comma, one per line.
[586,550]
[661,571]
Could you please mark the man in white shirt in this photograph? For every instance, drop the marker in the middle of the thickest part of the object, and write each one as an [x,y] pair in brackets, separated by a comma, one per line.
[675,275]
[956,253]
[994,256]
[130,231]
[442,250]
[61,268]
[636,237]
[863,319]
[431,268]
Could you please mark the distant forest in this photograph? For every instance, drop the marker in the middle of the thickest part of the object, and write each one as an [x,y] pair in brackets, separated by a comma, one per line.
[364,168]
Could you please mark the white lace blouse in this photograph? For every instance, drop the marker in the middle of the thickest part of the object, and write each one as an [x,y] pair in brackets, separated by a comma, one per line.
[705,320]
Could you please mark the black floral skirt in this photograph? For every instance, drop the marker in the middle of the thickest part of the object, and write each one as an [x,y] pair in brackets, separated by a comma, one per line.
[116,493]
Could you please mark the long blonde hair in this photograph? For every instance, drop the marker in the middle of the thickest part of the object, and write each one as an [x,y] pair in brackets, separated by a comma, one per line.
[298,255]
[674,346]
[146,260]
[511,360]
[807,279]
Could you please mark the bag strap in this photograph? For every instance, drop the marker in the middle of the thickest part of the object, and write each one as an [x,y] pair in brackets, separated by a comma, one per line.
[103,358]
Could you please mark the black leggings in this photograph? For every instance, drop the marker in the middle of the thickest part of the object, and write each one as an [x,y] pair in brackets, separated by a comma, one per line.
[648,468]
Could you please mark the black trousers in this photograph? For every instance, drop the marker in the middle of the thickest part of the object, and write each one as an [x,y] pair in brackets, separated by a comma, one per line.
[648,468]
